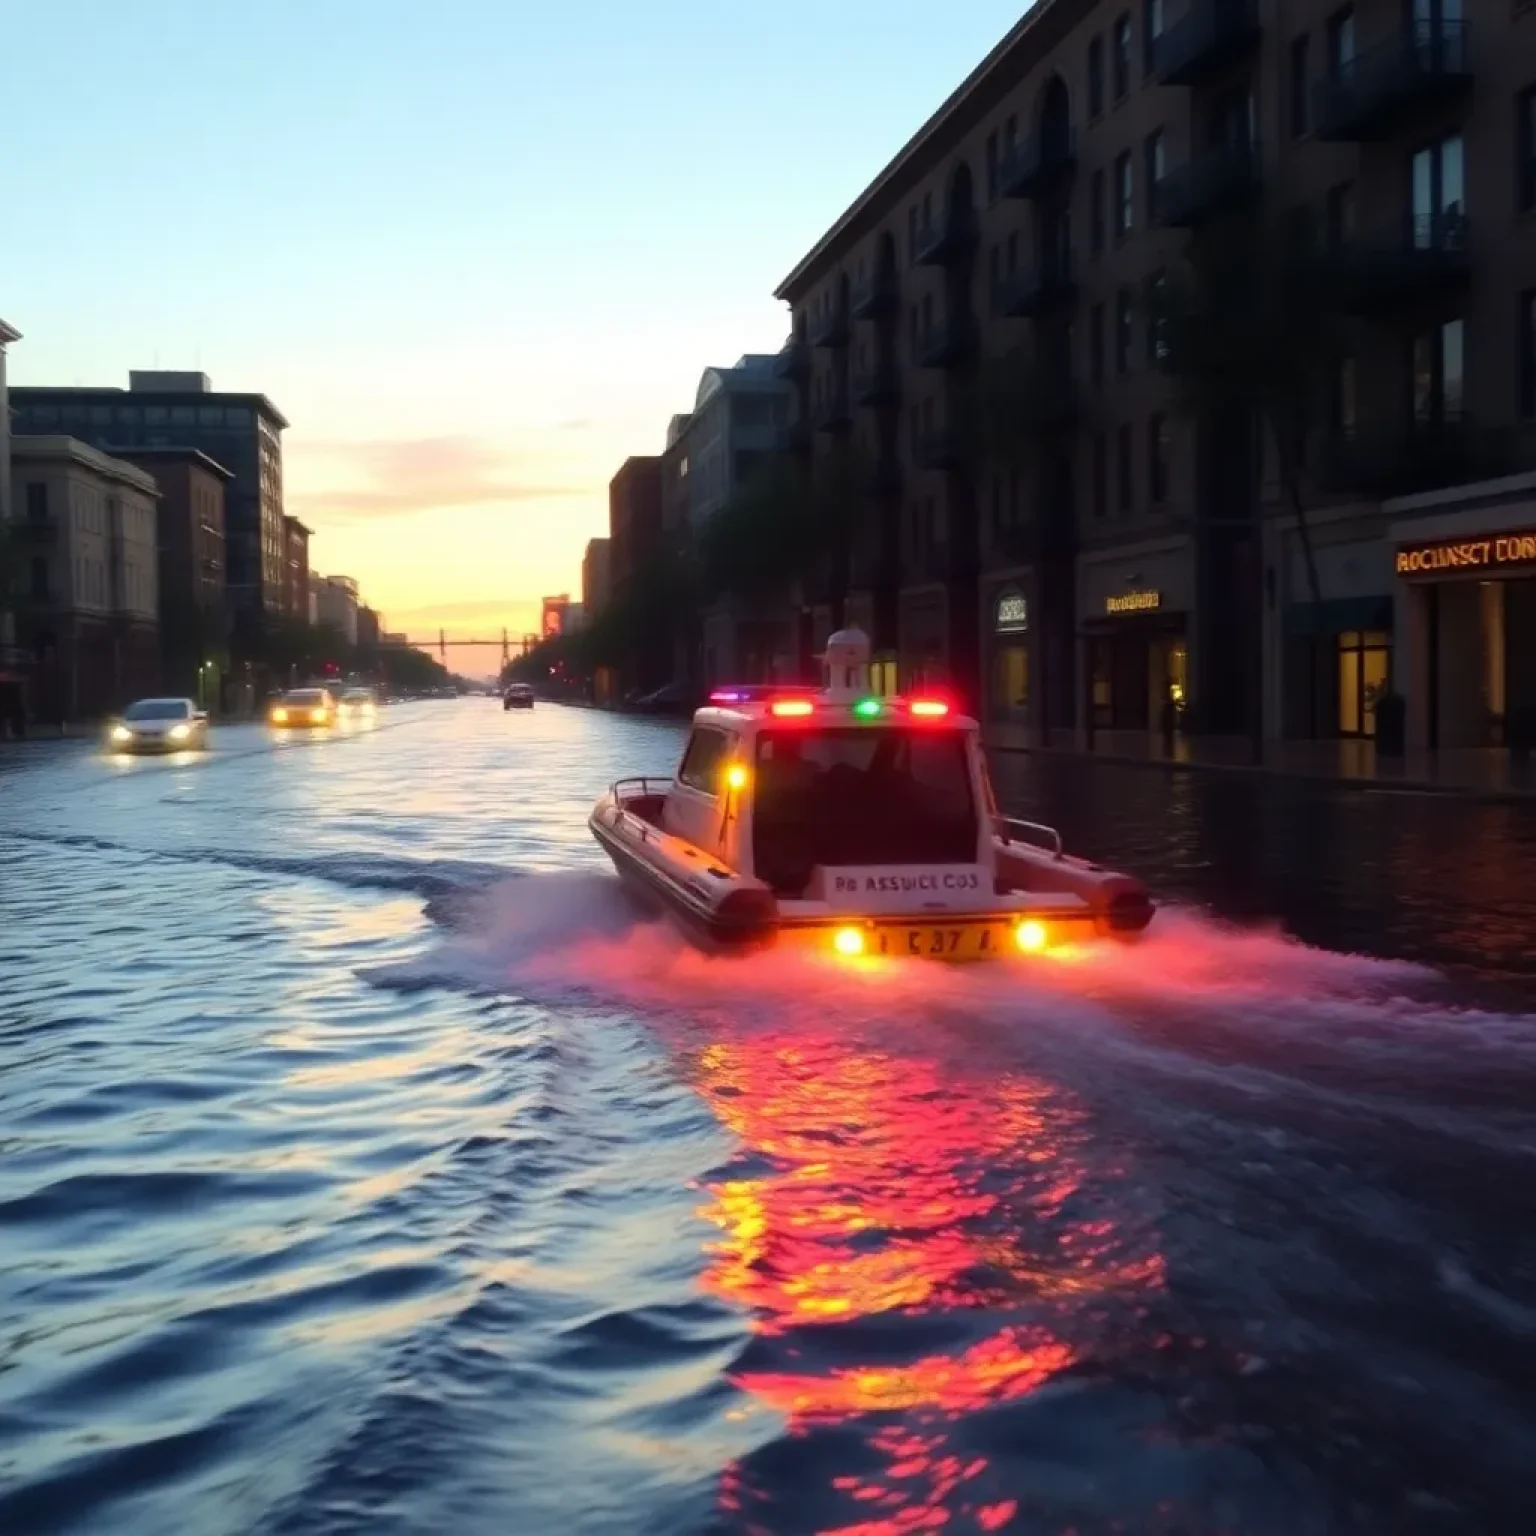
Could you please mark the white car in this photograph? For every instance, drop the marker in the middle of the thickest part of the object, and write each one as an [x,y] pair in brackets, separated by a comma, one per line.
[159,725]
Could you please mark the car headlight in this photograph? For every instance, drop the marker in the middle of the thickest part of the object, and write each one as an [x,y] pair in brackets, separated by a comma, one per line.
[180,732]
[121,733]
[318,716]
[280,715]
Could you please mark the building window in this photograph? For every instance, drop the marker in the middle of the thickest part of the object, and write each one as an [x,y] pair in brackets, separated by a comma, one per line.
[1125,195]
[1341,41]
[992,163]
[1096,345]
[1159,451]
[1525,149]
[1096,213]
[1438,374]
[1151,31]
[1527,344]
[912,235]
[1122,58]
[40,576]
[1437,175]
[1100,476]
[1301,99]
[37,501]
[1125,470]
[1365,670]
[1096,77]
[1124,330]
[1341,216]
[1154,168]
[1157,324]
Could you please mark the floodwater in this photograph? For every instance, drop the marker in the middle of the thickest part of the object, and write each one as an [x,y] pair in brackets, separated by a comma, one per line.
[368,1165]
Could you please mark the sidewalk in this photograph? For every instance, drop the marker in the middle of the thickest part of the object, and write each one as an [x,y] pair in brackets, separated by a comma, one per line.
[1478,773]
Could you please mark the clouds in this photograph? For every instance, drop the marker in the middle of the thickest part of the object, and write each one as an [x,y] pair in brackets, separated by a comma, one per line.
[405,477]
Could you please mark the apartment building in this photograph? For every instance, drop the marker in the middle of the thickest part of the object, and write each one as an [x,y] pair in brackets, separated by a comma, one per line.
[296,575]
[1045,522]
[87,604]
[241,431]
[336,605]
[194,619]
[595,583]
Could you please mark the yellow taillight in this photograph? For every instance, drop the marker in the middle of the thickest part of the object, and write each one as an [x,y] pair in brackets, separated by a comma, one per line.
[1031,936]
[848,942]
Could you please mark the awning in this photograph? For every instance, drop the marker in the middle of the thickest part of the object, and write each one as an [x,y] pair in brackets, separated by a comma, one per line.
[1334,615]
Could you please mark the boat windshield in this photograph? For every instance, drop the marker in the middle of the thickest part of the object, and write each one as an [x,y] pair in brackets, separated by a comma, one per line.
[860,796]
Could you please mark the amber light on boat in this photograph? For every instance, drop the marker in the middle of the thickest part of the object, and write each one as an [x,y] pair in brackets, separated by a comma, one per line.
[928,709]
[736,776]
[785,708]
[1030,936]
[848,941]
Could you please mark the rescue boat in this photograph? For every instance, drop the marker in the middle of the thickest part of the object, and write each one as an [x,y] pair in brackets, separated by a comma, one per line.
[860,825]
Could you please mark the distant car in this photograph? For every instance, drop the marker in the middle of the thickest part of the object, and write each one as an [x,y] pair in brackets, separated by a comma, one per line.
[670,699]
[159,725]
[357,703]
[518,696]
[304,709]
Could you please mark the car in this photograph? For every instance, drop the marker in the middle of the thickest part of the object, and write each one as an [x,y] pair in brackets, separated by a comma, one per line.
[518,696]
[304,709]
[669,699]
[357,703]
[159,725]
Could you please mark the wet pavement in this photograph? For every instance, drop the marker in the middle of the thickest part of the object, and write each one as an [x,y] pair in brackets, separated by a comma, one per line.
[367,1165]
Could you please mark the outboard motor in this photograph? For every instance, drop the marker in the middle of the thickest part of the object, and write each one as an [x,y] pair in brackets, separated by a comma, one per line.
[845,666]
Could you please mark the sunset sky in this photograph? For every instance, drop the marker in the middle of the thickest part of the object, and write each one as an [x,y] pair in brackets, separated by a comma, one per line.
[476,251]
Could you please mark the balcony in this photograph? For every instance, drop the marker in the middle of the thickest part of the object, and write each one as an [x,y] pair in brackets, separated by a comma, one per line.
[1038,166]
[1048,285]
[832,412]
[1213,35]
[1423,258]
[879,385]
[1424,65]
[944,345]
[944,450]
[34,530]
[1417,457]
[832,328]
[794,359]
[947,240]
[876,296]
[1218,178]
[793,438]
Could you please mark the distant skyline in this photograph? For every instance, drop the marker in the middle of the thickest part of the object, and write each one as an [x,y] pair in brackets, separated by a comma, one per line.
[476,253]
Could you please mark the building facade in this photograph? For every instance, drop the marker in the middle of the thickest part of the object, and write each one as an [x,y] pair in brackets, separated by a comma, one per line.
[15,666]
[242,432]
[595,576]
[369,628]
[636,542]
[336,606]
[1044,521]
[88,601]
[193,611]
[296,537]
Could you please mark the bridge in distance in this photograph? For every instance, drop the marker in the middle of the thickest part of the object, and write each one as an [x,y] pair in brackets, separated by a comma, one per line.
[441,645]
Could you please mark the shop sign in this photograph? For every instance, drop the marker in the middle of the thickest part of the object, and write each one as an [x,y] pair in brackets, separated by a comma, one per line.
[1134,602]
[1012,614]
[1498,551]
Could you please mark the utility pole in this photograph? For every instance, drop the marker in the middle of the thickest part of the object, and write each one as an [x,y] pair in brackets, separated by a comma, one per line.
[442,645]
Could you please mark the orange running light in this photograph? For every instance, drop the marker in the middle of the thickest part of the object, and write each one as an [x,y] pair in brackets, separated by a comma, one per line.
[796,707]
[848,942]
[929,709]
[1030,936]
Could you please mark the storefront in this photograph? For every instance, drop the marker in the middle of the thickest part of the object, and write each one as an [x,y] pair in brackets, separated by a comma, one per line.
[1134,643]
[1468,625]
[1007,654]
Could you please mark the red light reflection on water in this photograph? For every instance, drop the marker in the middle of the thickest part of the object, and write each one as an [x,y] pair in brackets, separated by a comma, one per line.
[901,1188]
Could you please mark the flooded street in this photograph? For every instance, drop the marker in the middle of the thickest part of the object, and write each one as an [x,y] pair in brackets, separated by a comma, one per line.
[369,1166]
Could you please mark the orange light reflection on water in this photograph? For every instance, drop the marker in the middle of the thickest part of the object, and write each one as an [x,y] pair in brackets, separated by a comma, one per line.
[901,1188]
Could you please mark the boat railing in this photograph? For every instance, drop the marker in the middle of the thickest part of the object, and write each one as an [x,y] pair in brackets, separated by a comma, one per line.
[638,784]
[1035,832]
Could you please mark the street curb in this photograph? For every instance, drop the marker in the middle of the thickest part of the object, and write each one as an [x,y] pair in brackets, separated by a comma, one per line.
[1359,785]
